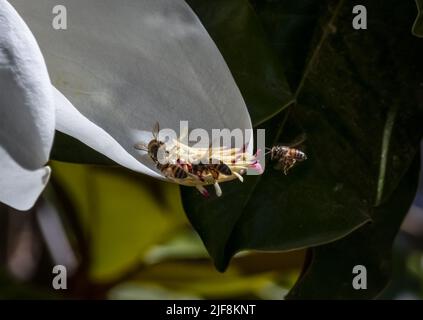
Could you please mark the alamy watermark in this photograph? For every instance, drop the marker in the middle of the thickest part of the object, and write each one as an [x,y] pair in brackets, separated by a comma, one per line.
[60,18]
[360,20]
[360,279]
[59,281]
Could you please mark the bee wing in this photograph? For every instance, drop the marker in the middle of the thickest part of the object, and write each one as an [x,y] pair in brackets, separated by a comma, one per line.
[300,139]
[141,146]
[156,129]
[184,133]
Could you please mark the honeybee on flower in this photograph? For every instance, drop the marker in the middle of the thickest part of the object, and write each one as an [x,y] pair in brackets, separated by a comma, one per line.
[198,167]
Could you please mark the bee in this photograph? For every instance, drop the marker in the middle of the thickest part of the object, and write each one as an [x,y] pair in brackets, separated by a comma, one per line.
[287,155]
[175,171]
[214,167]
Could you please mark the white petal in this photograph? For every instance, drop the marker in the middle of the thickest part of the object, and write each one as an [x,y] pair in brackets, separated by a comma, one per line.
[26,102]
[73,123]
[19,187]
[26,113]
[127,64]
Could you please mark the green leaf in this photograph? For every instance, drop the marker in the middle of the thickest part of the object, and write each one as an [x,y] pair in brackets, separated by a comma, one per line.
[329,275]
[246,278]
[68,149]
[418,23]
[238,34]
[358,104]
[290,26]
[12,289]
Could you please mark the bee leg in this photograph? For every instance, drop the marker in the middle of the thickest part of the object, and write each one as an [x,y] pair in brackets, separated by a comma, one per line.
[215,174]
[236,174]
[224,169]
[288,165]
[167,171]
[182,174]
[217,189]
[198,175]
[195,176]
[203,191]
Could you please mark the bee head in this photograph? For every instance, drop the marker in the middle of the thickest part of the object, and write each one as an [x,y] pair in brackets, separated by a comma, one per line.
[303,156]
[153,148]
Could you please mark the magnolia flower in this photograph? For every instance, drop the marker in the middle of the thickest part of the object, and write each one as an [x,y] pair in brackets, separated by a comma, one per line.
[118,68]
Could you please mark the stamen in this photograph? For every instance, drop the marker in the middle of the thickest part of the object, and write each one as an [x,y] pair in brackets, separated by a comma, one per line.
[257,166]
[217,189]
[203,190]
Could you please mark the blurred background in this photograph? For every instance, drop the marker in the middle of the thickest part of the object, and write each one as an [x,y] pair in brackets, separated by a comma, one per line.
[125,236]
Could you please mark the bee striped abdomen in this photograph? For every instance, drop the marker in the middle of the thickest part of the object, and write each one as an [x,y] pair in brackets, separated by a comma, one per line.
[223,168]
[172,170]
[179,173]
[215,169]
[219,167]
[298,154]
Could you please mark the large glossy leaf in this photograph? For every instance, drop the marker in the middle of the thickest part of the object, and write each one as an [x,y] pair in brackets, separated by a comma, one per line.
[290,26]
[68,149]
[358,103]
[329,274]
[238,34]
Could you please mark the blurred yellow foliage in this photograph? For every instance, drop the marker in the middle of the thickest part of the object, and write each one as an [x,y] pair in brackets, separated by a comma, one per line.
[140,241]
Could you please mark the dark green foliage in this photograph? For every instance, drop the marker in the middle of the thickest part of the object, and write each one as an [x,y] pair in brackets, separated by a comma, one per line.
[357,95]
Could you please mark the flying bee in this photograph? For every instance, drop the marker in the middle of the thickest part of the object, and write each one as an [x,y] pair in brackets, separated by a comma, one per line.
[287,155]
[170,170]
